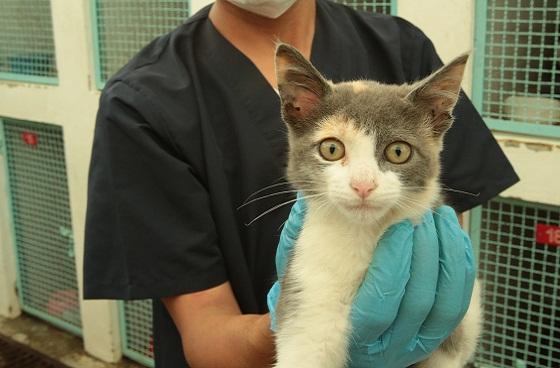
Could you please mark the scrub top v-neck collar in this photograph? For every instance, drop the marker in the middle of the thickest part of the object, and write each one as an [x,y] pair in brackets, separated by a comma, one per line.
[243,76]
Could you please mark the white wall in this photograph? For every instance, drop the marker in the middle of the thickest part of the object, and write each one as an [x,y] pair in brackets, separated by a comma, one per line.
[448,23]
[9,304]
[73,104]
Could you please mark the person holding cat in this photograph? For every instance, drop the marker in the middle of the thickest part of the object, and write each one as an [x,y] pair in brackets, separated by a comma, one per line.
[190,130]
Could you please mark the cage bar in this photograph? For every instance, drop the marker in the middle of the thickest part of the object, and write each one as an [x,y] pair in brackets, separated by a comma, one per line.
[520,282]
[27,50]
[44,246]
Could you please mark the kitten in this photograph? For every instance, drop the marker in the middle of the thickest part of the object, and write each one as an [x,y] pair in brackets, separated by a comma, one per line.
[365,155]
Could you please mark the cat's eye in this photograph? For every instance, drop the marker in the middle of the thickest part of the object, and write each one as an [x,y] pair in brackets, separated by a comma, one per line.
[331,149]
[398,152]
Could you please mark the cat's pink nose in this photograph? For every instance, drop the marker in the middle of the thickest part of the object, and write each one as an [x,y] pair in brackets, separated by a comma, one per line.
[363,188]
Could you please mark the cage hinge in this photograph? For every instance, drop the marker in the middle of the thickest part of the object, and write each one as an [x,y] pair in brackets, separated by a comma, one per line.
[67,233]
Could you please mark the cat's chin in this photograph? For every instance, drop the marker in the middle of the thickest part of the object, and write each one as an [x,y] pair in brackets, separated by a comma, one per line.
[363,213]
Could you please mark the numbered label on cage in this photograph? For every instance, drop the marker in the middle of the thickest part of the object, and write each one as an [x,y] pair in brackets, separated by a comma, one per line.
[548,234]
[30,139]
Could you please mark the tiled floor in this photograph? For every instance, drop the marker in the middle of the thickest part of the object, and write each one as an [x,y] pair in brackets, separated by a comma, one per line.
[58,345]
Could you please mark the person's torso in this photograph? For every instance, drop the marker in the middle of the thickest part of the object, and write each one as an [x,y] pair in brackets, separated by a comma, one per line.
[242,138]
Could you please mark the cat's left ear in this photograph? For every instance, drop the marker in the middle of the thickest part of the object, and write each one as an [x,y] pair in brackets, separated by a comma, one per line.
[438,93]
[300,85]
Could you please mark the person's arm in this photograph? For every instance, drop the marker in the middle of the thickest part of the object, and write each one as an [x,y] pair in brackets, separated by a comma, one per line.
[215,334]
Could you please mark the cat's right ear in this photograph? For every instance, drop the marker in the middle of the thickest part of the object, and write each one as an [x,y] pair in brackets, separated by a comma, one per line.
[300,85]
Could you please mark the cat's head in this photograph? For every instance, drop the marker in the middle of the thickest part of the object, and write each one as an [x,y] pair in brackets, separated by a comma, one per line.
[363,148]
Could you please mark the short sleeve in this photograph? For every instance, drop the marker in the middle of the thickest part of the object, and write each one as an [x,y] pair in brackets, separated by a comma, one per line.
[149,228]
[472,161]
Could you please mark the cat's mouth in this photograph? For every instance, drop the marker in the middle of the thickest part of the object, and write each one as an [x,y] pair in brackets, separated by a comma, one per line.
[363,206]
[364,212]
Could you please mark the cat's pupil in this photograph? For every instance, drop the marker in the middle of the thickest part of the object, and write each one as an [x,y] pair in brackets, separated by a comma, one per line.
[332,149]
[398,151]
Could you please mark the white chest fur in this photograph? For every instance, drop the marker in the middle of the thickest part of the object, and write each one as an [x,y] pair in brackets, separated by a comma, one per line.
[330,260]
[333,253]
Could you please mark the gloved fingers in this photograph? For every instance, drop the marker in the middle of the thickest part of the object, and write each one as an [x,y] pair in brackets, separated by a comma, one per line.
[289,235]
[378,298]
[272,300]
[470,275]
[448,306]
[421,288]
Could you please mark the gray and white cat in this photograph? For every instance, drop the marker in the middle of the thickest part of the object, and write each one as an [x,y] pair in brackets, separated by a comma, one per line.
[365,155]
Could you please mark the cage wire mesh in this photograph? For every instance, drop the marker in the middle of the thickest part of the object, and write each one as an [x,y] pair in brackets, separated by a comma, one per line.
[123,27]
[136,317]
[42,224]
[26,40]
[522,61]
[368,5]
[521,284]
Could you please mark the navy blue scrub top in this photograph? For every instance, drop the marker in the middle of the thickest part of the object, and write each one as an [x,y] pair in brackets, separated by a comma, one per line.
[189,129]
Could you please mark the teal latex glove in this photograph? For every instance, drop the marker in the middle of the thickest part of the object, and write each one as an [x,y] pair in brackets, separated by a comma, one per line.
[290,233]
[416,291]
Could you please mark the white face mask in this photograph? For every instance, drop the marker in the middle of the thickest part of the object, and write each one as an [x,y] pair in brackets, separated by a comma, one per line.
[266,8]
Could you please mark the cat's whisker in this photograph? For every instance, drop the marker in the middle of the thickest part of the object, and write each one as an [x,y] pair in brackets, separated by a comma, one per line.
[404,206]
[447,189]
[324,202]
[406,199]
[444,187]
[282,225]
[281,205]
[412,200]
[265,188]
[285,183]
[272,195]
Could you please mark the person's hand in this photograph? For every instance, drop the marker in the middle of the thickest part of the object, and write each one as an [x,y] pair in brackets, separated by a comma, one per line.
[416,290]
[288,237]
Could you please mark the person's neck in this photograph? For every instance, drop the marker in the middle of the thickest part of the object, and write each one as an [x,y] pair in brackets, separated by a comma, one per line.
[256,36]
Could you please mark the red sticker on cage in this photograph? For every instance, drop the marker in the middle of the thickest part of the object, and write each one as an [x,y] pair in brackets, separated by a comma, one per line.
[30,138]
[548,234]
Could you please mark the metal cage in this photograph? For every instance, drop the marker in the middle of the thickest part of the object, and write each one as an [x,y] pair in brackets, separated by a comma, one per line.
[136,331]
[519,266]
[516,79]
[44,247]
[122,27]
[375,6]
[26,41]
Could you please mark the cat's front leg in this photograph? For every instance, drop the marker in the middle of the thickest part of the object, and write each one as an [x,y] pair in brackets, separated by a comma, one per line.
[313,321]
[314,340]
